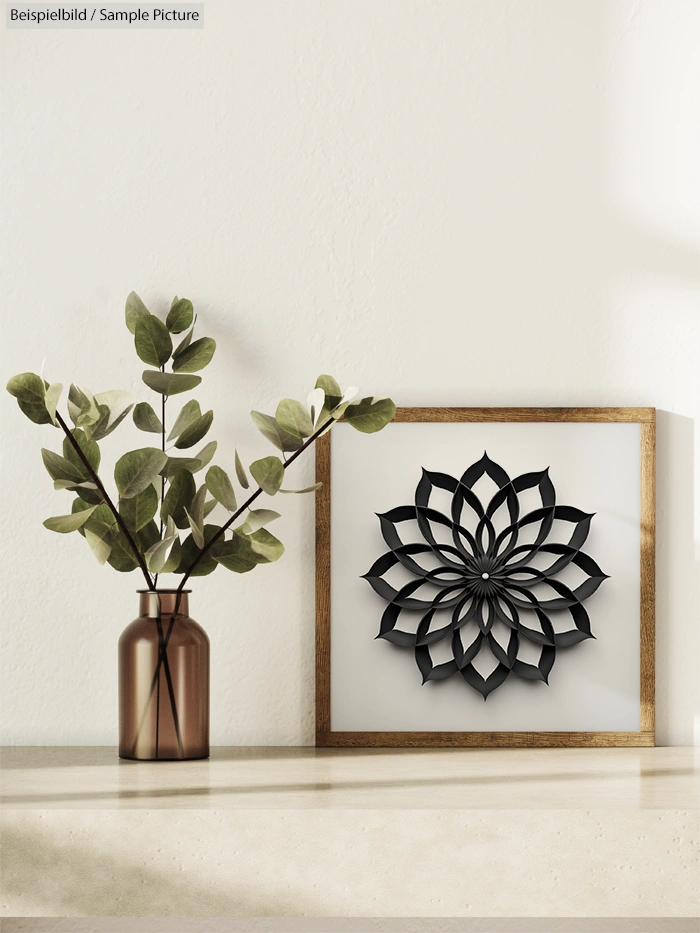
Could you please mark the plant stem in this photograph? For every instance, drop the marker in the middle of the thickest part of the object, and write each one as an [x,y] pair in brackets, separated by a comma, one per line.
[161,656]
[155,684]
[162,644]
[224,528]
[162,648]
[162,480]
[98,482]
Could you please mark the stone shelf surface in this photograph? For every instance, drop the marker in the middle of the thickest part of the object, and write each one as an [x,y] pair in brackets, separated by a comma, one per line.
[336,833]
[351,925]
[280,778]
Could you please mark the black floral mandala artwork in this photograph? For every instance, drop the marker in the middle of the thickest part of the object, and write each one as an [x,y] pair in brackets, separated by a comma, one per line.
[485,593]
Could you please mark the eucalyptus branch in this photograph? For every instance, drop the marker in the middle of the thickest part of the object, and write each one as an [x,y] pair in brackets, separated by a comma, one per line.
[137,471]
[98,482]
[162,479]
[162,645]
[224,528]
[155,683]
[178,596]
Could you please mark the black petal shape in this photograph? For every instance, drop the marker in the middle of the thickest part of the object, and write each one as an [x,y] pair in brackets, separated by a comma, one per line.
[485,578]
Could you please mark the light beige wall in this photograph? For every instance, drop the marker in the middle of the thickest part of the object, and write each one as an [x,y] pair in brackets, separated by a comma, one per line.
[465,203]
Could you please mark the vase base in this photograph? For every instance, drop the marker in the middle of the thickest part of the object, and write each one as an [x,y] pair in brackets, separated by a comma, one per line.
[184,758]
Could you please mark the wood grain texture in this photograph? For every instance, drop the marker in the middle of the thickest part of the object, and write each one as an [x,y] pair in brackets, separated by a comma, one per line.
[326,738]
[323,585]
[637,415]
[647,577]
[484,739]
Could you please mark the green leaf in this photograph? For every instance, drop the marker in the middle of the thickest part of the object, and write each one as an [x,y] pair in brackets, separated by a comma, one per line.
[315,401]
[236,554]
[329,385]
[169,383]
[209,507]
[101,518]
[134,310]
[333,397]
[96,430]
[174,558]
[196,516]
[70,484]
[89,448]
[138,510]
[186,341]
[256,519]
[193,464]
[29,390]
[190,552]
[152,341]
[82,407]
[339,411]
[113,406]
[240,472]
[106,425]
[64,524]
[291,416]
[121,556]
[266,547]
[100,542]
[195,432]
[180,315]
[157,555]
[86,489]
[137,469]
[276,435]
[178,498]
[333,391]
[147,537]
[146,419]
[175,464]
[197,532]
[194,357]
[197,509]
[79,505]
[51,399]
[268,473]
[60,468]
[35,411]
[27,386]
[205,454]
[370,414]
[300,491]
[219,485]
[188,415]
[91,496]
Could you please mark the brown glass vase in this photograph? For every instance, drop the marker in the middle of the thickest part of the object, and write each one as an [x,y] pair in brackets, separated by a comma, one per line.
[163,682]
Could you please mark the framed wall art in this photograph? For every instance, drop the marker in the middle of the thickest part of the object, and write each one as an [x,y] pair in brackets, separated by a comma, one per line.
[485,576]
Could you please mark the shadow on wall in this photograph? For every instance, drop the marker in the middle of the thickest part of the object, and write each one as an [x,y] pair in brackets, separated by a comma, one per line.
[676,613]
[40,875]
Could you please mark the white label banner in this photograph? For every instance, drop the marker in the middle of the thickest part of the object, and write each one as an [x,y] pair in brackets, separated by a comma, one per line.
[104,16]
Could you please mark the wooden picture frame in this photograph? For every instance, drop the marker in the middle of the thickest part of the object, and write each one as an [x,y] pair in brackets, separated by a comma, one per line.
[325,737]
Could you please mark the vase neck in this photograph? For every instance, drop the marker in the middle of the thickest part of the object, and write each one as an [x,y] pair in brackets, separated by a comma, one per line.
[148,603]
